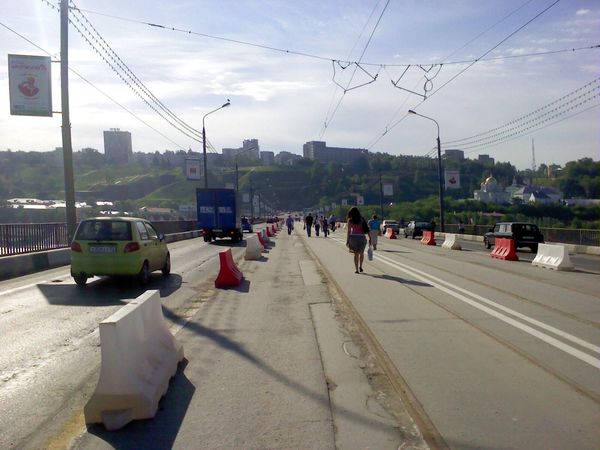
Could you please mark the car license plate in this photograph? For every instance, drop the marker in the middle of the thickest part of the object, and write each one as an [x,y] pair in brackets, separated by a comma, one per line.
[102,249]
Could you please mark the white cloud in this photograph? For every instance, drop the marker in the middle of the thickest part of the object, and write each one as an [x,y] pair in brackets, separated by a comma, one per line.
[582,12]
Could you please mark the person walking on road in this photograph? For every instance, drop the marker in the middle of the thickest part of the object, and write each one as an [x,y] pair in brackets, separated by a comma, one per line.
[290,224]
[324,226]
[356,241]
[374,225]
[332,223]
[308,223]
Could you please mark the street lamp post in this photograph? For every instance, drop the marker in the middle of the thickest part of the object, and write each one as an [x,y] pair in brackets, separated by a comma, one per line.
[204,140]
[440,177]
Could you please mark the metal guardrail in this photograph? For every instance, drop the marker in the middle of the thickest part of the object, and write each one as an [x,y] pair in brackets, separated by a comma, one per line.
[20,238]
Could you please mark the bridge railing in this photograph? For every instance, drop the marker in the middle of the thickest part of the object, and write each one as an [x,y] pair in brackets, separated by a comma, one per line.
[20,238]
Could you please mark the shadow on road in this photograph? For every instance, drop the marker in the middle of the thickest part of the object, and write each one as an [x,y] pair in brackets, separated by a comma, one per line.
[400,280]
[162,430]
[107,291]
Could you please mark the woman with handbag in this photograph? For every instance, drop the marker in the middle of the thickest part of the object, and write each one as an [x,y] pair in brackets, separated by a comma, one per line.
[356,240]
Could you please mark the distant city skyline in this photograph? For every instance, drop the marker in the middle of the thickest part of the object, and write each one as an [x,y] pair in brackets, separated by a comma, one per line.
[282,66]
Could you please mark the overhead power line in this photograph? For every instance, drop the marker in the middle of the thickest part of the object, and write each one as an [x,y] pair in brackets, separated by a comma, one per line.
[393,125]
[95,87]
[327,58]
[522,126]
[357,65]
[95,40]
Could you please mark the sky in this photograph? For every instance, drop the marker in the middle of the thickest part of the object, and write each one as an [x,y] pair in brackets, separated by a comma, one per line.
[341,71]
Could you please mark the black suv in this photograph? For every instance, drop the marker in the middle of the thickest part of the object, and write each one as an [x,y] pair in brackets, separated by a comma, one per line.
[524,234]
[415,228]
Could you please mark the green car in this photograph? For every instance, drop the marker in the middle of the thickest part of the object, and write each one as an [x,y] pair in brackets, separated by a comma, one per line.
[118,246]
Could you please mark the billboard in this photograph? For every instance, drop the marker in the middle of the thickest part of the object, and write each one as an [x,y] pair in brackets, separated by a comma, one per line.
[388,190]
[360,200]
[192,169]
[452,179]
[29,85]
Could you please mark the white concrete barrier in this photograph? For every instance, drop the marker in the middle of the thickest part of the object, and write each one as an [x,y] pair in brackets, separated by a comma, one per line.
[554,257]
[253,248]
[139,356]
[451,242]
[265,236]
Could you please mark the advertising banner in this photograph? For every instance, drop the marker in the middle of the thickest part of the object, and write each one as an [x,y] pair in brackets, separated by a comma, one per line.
[333,205]
[29,85]
[388,190]
[246,197]
[344,202]
[360,200]
[192,169]
[452,179]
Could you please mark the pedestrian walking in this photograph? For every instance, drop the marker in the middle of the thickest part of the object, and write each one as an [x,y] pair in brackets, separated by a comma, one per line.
[290,224]
[356,240]
[374,230]
[317,225]
[325,226]
[332,223]
[308,223]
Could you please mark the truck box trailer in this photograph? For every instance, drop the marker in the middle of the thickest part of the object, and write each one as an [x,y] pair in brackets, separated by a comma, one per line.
[217,214]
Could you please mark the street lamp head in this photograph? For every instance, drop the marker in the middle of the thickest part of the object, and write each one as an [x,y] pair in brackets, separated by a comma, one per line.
[410,111]
[225,105]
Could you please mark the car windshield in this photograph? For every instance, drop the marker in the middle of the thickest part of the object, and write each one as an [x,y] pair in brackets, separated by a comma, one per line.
[104,230]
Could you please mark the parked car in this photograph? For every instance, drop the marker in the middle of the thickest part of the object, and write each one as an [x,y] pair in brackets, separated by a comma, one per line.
[415,228]
[524,234]
[246,225]
[390,224]
[118,246]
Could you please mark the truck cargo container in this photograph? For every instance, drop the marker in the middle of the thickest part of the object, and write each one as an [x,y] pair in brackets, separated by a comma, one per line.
[217,214]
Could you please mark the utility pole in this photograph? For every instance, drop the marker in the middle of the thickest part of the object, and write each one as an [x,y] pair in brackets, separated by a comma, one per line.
[251,198]
[66,121]
[381,195]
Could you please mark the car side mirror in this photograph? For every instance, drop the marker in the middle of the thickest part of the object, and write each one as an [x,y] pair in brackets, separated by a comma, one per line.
[161,237]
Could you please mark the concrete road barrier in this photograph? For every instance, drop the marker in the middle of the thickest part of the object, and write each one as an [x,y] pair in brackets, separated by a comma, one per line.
[253,248]
[139,356]
[451,242]
[229,273]
[428,238]
[554,257]
[504,249]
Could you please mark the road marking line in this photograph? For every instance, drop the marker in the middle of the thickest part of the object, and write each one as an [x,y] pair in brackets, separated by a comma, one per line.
[439,284]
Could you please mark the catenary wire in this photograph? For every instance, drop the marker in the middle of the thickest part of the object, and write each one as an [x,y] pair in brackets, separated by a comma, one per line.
[391,126]
[94,86]
[319,57]
[327,123]
[120,63]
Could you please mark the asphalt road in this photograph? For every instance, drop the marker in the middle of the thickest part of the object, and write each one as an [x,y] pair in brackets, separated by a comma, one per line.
[496,354]
[50,346]
[486,353]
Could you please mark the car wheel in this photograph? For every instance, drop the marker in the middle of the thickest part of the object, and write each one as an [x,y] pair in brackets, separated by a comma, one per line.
[534,248]
[144,275]
[81,280]
[166,269]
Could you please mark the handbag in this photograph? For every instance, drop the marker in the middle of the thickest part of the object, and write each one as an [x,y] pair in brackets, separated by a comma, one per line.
[370,253]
